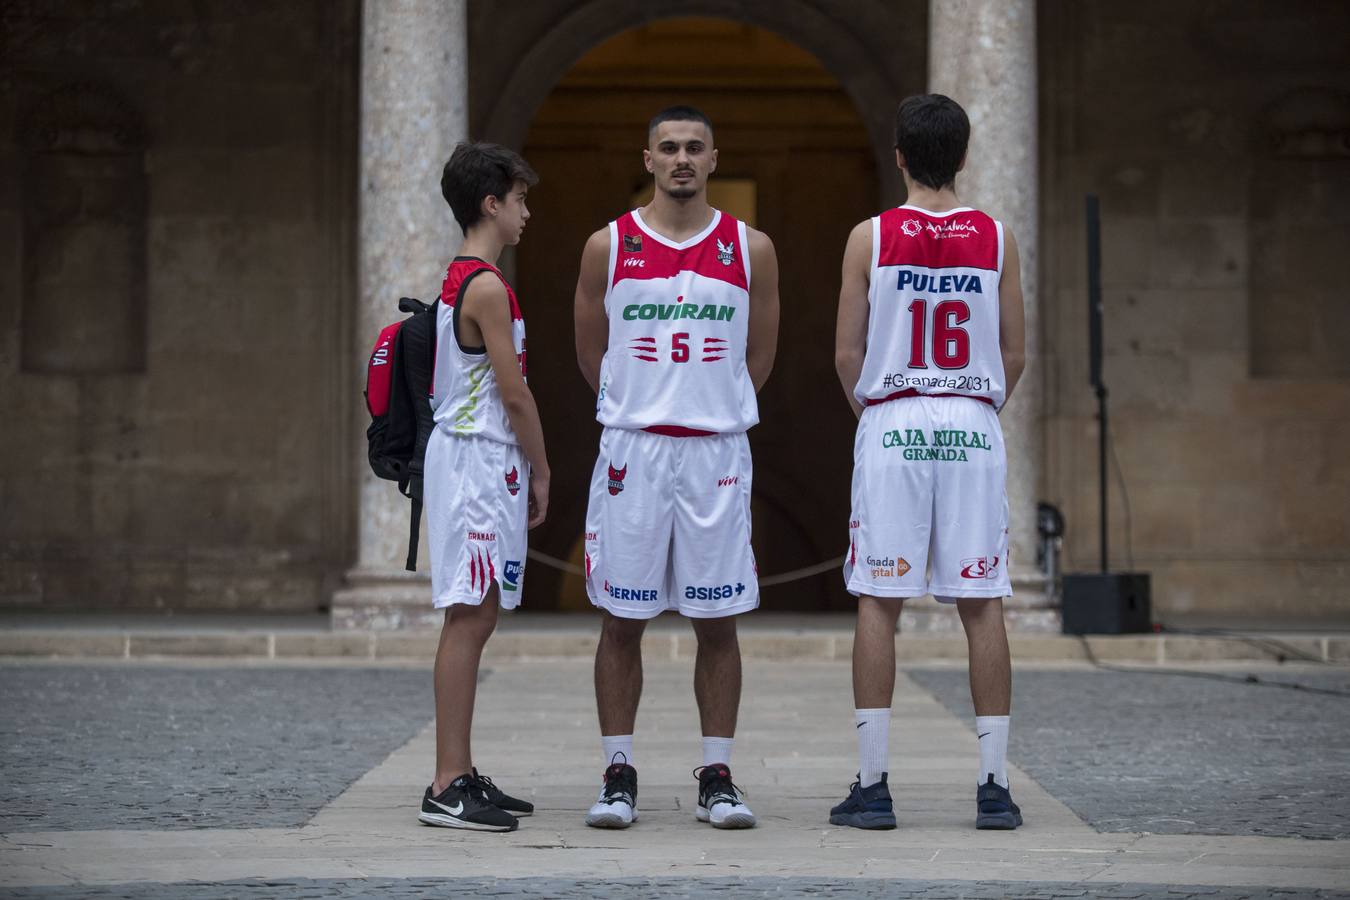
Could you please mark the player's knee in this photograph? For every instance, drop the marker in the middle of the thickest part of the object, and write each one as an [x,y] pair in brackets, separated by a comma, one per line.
[472,623]
[977,610]
[621,632]
[885,608]
[715,633]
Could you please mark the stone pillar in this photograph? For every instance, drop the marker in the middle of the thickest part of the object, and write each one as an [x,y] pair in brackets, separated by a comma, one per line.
[414,107]
[982,54]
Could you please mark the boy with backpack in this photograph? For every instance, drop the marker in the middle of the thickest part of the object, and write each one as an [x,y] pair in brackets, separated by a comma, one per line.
[486,475]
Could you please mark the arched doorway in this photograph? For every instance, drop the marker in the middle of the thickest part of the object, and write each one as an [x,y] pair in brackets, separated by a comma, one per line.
[795,160]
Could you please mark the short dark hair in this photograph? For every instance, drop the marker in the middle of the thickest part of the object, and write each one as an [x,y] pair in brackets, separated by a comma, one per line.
[477,169]
[679,114]
[932,132]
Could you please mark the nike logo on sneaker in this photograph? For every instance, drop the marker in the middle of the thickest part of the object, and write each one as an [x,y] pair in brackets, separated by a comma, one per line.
[985,735]
[457,809]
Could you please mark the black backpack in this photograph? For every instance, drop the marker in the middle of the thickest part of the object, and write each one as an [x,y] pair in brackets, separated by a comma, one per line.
[398,397]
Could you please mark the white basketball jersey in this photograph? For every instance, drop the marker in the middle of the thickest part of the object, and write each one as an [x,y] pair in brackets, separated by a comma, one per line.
[678,323]
[464,395]
[934,311]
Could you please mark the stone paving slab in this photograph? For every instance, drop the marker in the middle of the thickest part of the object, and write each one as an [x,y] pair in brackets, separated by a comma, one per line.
[1176,754]
[536,735]
[567,889]
[830,641]
[146,746]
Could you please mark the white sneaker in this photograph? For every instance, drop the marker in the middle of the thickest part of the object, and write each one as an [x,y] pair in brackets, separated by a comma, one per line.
[719,801]
[617,806]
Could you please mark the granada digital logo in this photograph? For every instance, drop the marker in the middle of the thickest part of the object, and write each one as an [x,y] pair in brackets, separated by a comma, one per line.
[513,481]
[616,477]
[887,566]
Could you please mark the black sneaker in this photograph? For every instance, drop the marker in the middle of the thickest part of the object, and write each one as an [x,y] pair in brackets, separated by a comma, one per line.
[617,806]
[719,801]
[463,805]
[994,807]
[866,807]
[518,808]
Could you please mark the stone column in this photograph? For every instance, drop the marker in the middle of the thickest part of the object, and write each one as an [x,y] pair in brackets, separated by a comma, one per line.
[982,54]
[414,107]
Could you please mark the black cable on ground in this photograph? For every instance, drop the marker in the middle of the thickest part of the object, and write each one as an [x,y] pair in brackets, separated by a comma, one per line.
[1212,676]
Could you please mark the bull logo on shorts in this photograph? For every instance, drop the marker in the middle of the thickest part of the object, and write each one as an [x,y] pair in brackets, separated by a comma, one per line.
[616,477]
[513,481]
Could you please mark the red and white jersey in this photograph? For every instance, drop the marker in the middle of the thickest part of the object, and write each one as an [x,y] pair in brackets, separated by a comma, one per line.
[678,322]
[934,311]
[464,395]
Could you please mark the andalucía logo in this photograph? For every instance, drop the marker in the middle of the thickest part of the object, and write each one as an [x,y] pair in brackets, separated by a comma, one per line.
[911,227]
[513,481]
[616,477]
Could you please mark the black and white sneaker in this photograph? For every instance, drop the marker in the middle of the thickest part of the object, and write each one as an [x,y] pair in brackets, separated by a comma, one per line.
[617,806]
[994,808]
[493,794]
[719,801]
[463,805]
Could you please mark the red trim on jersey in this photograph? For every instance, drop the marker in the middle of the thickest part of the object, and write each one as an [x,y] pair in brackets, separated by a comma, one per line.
[678,431]
[910,392]
[957,240]
[642,257]
[459,270]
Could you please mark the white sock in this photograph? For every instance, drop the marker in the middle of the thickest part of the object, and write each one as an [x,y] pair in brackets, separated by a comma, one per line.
[717,750]
[993,732]
[874,738]
[614,744]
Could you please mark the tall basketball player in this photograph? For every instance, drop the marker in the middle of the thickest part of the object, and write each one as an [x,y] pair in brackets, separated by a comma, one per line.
[929,347]
[676,325]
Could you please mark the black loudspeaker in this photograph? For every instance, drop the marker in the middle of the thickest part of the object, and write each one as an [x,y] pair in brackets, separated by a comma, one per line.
[1107,603]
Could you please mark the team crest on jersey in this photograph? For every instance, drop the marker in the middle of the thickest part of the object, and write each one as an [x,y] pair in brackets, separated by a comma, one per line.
[911,227]
[725,251]
[632,243]
[616,477]
[513,481]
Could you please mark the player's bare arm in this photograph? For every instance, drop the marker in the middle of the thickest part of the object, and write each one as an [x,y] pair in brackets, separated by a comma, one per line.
[1012,335]
[592,325]
[487,311]
[850,336]
[762,338]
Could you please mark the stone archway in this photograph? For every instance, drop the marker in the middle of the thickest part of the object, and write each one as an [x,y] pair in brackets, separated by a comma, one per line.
[846,47]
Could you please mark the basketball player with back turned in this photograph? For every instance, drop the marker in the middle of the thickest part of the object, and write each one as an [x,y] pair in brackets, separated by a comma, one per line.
[929,347]
[676,326]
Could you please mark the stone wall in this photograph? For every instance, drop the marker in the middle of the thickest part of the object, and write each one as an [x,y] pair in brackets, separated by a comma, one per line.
[176,203]
[1218,137]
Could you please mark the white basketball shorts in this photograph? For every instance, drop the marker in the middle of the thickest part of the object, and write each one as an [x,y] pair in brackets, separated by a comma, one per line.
[930,509]
[476,498]
[668,526]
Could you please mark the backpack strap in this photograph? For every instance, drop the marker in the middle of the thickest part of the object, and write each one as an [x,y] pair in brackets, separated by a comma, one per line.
[414,523]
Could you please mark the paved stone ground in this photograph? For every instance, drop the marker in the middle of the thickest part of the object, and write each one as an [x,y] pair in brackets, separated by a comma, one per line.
[98,747]
[1172,754]
[566,889]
